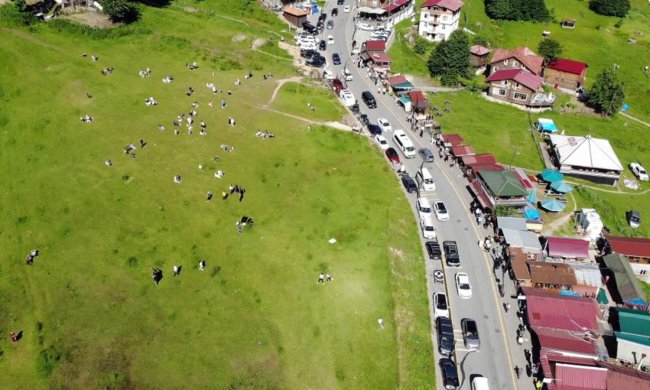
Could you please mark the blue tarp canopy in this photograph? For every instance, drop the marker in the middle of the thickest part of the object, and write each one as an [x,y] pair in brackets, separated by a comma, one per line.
[546,125]
[551,175]
[561,187]
[531,214]
[552,205]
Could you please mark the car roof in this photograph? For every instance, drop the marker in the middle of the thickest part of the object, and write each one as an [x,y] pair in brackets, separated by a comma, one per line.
[424,201]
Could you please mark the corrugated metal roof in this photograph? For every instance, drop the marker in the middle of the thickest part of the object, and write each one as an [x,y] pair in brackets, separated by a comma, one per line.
[551,273]
[637,322]
[559,312]
[625,378]
[626,282]
[462,150]
[630,246]
[516,223]
[574,377]
[561,340]
[568,247]
[503,183]
[587,274]
[453,139]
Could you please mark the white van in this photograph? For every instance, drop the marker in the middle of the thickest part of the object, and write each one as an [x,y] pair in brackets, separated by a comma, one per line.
[480,383]
[425,180]
[404,143]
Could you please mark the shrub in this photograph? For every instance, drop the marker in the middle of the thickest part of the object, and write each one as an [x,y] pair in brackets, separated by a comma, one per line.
[120,10]
[550,49]
[422,46]
[11,15]
[618,8]
[450,59]
[533,10]
[607,94]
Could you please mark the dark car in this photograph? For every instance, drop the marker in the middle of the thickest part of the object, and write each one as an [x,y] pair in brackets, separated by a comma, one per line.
[392,155]
[426,154]
[451,253]
[634,219]
[307,53]
[445,331]
[355,108]
[470,334]
[322,17]
[449,373]
[316,61]
[433,249]
[363,118]
[310,28]
[335,11]
[322,45]
[373,129]
[367,98]
[336,59]
[409,184]
[330,24]
[340,2]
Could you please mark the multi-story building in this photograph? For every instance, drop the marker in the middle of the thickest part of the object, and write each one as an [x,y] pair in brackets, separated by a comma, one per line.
[439,18]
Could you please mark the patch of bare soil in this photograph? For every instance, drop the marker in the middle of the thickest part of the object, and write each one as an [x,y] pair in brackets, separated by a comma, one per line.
[238,38]
[191,10]
[88,16]
[257,43]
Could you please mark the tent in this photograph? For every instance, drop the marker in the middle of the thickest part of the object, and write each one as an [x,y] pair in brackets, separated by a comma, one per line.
[551,175]
[625,281]
[561,187]
[545,125]
[552,205]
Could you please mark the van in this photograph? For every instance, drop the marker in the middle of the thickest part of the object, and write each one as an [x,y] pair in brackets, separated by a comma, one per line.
[480,383]
[347,75]
[369,99]
[425,180]
[404,143]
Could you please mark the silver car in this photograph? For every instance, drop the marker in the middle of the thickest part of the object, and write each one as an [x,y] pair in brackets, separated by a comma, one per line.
[470,334]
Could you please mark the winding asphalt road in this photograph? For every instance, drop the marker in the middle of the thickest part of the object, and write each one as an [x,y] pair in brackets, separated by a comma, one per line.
[494,359]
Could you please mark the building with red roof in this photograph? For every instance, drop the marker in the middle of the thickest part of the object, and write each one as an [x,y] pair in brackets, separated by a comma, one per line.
[295,16]
[478,55]
[482,158]
[636,250]
[576,315]
[518,86]
[567,248]
[520,58]
[374,45]
[439,18]
[452,139]
[565,73]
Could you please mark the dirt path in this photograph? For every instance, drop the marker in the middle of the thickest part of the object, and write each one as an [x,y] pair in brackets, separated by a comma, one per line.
[628,116]
[30,38]
[558,223]
[617,192]
[281,82]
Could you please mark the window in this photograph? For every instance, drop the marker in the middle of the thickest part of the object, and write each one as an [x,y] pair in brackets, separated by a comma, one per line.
[521,96]
[444,17]
[515,63]
[504,82]
[505,62]
[444,27]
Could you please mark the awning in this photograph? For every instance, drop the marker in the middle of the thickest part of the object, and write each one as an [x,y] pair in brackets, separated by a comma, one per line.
[482,197]
[372,11]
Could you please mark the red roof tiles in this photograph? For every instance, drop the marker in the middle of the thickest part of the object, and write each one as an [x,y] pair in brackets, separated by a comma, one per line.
[453,139]
[452,5]
[483,158]
[524,55]
[630,246]
[523,77]
[561,340]
[399,79]
[375,45]
[395,5]
[559,312]
[462,150]
[573,377]
[567,66]
[479,50]
[567,247]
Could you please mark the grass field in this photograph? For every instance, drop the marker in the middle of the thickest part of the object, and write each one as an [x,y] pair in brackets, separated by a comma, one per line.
[256,318]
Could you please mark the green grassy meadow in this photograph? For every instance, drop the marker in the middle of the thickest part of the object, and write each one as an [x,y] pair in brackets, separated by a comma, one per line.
[255,318]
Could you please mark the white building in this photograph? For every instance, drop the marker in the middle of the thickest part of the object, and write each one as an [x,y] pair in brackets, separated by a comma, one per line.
[439,18]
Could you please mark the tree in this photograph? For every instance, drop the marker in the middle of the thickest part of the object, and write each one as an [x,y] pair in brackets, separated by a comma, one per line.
[21,5]
[450,59]
[534,10]
[550,49]
[617,8]
[421,46]
[607,94]
[120,10]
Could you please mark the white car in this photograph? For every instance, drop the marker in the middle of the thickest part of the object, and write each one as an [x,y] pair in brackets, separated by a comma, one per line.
[463,286]
[347,8]
[441,211]
[440,306]
[365,27]
[346,74]
[428,231]
[384,125]
[330,40]
[424,207]
[639,171]
[328,74]
[381,141]
[347,98]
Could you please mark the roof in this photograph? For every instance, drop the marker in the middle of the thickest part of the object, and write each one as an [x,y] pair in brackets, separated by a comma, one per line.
[452,5]
[295,12]
[380,57]
[551,273]
[528,241]
[547,125]
[625,378]
[546,310]
[487,167]
[375,45]
[518,262]
[462,150]
[561,340]
[482,197]
[503,183]
[587,274]
[416,96]
[453,139]
[586,152]
[567,247]
[574,377]
[393,6]
[626,282]
[479,50]
[483,158]
[630,246]
[516,223]
[522,76]
[634,321]
[633,338]
[567,66]
[523,54]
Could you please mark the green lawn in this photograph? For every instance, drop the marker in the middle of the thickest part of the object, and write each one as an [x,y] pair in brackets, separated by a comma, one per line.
[405,60]
[256,318]
[595,40]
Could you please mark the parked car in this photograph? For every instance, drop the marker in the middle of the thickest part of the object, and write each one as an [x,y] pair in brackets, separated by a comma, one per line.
[336,59]
[363,118]
[340,2]
[322,17]
[384,124]
[337,84]
[347,98]
[347,8]
[409,184]
[463,285]
[322,45]
[449,373]
[330,40]
[441,211]
[433,250]
[480,382]
[440,307]
[365,27]
[470,334]
[328,74]
[428,231]
[426,154]
[451,253]
[335,11]
[445,332]
[381,141]
[424,207]
[308,53]
[639,171]
[634,219]
[372,128]
[392,155]
[330,24]
[316,61]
